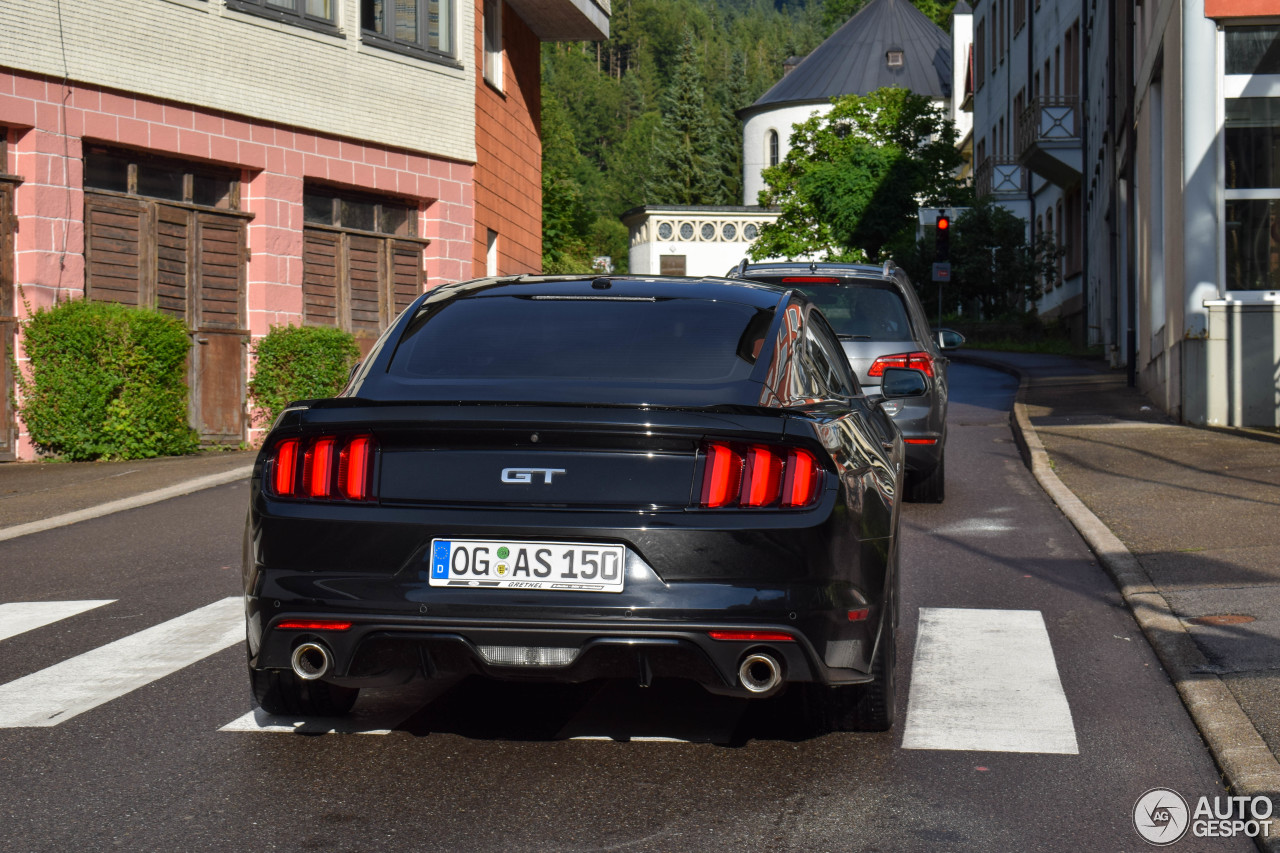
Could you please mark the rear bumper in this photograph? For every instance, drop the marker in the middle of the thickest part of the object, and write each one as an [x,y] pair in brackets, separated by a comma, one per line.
[378,653]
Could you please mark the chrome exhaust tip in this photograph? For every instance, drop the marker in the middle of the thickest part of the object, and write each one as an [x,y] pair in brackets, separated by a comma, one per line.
[311,661]
[760,673]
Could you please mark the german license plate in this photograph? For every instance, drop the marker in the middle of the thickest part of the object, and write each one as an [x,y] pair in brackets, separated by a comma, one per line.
[500,564]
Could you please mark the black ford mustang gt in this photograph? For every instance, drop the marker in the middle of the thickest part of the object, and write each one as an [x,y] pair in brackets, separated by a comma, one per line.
[578,478]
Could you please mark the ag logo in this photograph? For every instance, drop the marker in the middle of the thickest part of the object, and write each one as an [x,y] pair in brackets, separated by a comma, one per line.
[1161,817]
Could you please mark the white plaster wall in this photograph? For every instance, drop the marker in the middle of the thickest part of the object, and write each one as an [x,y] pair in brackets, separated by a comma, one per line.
[201,53]
[755,147]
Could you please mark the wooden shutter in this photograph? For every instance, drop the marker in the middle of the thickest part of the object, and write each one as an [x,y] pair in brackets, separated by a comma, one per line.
[220,271]
[116,249]
[321,254]
[365,277]
[173,259]
[406,273]
[8,323]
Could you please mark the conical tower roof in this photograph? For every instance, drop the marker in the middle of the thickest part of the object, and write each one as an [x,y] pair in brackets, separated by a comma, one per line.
[856,59]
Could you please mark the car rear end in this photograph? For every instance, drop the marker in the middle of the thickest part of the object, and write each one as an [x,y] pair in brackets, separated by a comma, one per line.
[491,501]
[880,323]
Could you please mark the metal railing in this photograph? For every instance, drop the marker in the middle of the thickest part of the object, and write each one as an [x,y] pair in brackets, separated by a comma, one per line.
[1000,176]
[1050,119]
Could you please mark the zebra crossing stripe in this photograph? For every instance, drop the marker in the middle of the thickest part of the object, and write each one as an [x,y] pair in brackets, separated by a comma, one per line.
[22,616]
[986,680]
[60,692]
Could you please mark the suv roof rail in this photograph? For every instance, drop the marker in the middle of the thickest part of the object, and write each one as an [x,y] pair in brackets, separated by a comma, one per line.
[889,267]
[741,269]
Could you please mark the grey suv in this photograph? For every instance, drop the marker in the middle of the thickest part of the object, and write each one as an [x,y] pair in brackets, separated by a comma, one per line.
[878,317]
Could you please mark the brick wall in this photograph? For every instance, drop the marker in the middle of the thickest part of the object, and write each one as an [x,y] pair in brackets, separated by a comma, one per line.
[508,176]
[51,123]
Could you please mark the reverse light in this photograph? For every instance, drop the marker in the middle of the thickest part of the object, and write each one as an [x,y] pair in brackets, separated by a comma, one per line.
[757,476]
[752,636]
[324,468]
[921,361]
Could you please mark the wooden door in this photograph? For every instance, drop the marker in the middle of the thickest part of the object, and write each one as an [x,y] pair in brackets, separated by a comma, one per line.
[8,325]
[219,334]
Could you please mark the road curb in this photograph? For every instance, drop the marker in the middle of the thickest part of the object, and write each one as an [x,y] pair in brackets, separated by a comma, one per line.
[1247,763]
[143,499]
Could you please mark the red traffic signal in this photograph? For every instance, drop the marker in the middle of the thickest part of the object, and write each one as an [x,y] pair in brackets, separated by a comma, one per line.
[942,238]
[944,222]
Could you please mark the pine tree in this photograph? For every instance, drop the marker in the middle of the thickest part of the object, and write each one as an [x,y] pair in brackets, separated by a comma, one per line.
[687,171]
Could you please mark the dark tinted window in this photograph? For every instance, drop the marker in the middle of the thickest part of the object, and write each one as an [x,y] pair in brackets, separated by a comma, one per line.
[1253,50]
[607,339]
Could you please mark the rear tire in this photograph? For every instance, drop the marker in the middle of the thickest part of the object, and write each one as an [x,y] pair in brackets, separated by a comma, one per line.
[281,692]
[931,488]
[866,707]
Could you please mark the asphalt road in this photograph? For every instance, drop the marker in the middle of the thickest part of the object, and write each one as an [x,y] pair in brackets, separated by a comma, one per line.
[478,766]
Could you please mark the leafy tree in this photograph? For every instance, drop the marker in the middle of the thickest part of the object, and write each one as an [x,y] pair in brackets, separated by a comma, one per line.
[993,266]
[855,177]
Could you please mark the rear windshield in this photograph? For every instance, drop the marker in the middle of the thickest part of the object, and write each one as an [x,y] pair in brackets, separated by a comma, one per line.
[554,340]
[859,310]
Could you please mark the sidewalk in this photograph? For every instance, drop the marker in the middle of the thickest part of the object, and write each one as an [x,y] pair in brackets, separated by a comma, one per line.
[1187,520]
[39,494]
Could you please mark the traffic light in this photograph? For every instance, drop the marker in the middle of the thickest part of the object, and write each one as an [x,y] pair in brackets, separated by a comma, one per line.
[942,238]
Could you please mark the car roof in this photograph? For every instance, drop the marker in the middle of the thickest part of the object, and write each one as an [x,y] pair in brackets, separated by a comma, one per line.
[755,294]
[885,272]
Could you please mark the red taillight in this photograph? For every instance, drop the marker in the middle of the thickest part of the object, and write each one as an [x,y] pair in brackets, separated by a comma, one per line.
[722,477]
[317,468]
[920,440]
[803,476]
[752,636]
[286,462]
[314,625]
[758,476]
[325,468]
[353,468]
[921,361]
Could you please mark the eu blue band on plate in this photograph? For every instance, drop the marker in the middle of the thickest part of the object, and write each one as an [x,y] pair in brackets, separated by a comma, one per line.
[440,559]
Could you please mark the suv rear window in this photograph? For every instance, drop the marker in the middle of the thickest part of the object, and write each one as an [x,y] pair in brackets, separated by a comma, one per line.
[549,340]
[858,310]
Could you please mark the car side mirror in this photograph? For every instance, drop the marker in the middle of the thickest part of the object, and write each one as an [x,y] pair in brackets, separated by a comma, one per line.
[949,338]
[899,382]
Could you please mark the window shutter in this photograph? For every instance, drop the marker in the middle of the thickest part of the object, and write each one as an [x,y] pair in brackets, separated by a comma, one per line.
[407,275]
[114,248]
[363,262]
[320,255]
[173,247]
[220,249]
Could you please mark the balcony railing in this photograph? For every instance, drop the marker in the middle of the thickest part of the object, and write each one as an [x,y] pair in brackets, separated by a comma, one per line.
[1048,120]
[1000,177]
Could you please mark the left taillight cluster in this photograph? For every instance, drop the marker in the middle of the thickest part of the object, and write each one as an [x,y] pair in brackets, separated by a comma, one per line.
[326,468]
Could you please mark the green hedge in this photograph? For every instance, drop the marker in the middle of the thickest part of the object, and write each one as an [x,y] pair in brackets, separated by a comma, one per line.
[299,363]
[106,382]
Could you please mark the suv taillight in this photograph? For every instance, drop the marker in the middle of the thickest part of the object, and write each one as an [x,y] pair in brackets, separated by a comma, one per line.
[758,476]
[338,468]
[921,361]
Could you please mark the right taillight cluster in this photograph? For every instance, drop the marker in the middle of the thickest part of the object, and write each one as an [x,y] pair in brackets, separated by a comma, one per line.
[921,361]
[758,476]
[328,467]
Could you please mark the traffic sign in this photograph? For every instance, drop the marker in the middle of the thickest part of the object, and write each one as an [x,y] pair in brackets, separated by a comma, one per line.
[942,272]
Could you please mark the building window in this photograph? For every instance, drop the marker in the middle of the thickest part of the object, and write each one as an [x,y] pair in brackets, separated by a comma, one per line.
[894,58]
[159,178]
[1253,50]
[313,12]
[361,264]
[980,54]
[493,43]
[773,147]
[491,253]
[1252,141]
[413,26]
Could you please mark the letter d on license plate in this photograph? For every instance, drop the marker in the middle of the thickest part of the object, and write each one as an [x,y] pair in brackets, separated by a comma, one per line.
[500,564]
